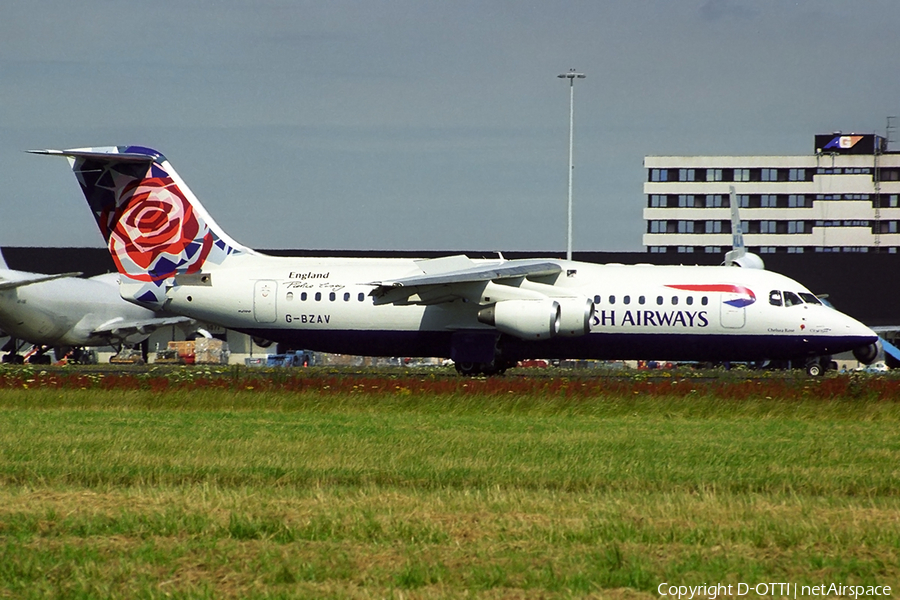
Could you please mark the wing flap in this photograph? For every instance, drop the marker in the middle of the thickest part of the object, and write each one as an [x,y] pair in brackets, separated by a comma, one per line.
[444,286]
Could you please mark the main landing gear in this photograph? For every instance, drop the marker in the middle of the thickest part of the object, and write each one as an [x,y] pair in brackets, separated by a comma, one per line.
[495,367]
[817,365]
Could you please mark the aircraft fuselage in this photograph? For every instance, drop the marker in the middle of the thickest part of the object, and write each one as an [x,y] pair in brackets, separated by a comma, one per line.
[640,312]
[64,312]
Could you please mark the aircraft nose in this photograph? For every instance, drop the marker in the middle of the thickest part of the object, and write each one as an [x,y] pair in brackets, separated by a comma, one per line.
[853,328]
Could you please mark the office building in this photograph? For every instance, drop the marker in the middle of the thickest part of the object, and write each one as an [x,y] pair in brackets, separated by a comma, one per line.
[842,197]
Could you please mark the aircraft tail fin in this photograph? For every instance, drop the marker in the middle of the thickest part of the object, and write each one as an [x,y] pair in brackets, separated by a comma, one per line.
[3,264]
[738,254]
[154,226]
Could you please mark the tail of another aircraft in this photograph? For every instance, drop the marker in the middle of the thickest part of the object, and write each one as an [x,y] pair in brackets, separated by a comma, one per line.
[154,226]
[738,254]
[3,264]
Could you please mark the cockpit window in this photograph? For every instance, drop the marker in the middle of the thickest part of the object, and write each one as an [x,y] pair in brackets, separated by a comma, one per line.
[810,298]
[791,299]
[775,298]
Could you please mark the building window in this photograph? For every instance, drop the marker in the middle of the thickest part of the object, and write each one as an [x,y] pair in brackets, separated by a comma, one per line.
[795,249]
[742,174]
[685,227]
[768,200]
[714,174]
[659,174]
[713,249]
[658,201]
[658,249]
[714,227]
[769,175]
[714,200]
[796,201]
[685,201]
[686,249]
[797,175]
[743,201]
[657,227]
[685,174]
[767,227]
[767,250]
[795,227]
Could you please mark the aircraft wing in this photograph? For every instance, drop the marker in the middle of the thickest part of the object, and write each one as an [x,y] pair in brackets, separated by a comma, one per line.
[30,279]
[121,327]
[443,279]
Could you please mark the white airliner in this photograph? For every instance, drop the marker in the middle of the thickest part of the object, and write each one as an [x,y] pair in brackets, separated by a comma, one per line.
[484,314]
[68,311]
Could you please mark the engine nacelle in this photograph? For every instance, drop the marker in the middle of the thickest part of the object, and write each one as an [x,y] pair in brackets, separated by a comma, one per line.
[525,319]
[575,316]
[866,354]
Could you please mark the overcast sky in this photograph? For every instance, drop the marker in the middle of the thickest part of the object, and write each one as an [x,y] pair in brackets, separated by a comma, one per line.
[422,125]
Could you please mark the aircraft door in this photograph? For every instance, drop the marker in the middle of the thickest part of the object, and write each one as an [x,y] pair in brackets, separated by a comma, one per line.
[733,315]
[264,293]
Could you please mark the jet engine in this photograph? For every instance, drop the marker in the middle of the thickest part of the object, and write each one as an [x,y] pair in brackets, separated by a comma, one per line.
[575,316]
[536,319]
[866,354]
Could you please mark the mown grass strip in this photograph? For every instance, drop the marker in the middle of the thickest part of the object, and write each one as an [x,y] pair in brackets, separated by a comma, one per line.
[136,493]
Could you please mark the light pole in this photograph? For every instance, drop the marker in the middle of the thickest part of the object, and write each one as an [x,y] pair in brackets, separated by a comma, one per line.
[571,76]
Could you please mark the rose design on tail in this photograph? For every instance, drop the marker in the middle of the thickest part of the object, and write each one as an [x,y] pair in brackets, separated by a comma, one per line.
[157,234]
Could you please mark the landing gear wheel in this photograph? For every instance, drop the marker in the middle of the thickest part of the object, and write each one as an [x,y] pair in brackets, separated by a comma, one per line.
[814,369]
[469,369]
[495,367]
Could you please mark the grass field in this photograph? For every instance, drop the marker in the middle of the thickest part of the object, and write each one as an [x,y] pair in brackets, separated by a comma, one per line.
[193,484]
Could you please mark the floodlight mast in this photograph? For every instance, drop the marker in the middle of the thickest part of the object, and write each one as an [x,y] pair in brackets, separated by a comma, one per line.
[571,76]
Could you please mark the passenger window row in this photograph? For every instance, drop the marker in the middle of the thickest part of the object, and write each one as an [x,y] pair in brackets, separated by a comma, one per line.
[331,296]
[674,300]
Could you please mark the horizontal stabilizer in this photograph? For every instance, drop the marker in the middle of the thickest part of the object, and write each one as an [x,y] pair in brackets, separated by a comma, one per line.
[134,154]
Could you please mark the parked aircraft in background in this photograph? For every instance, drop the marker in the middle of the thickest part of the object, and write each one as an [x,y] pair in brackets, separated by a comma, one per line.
[484,314]
[738,255]
[66,311]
